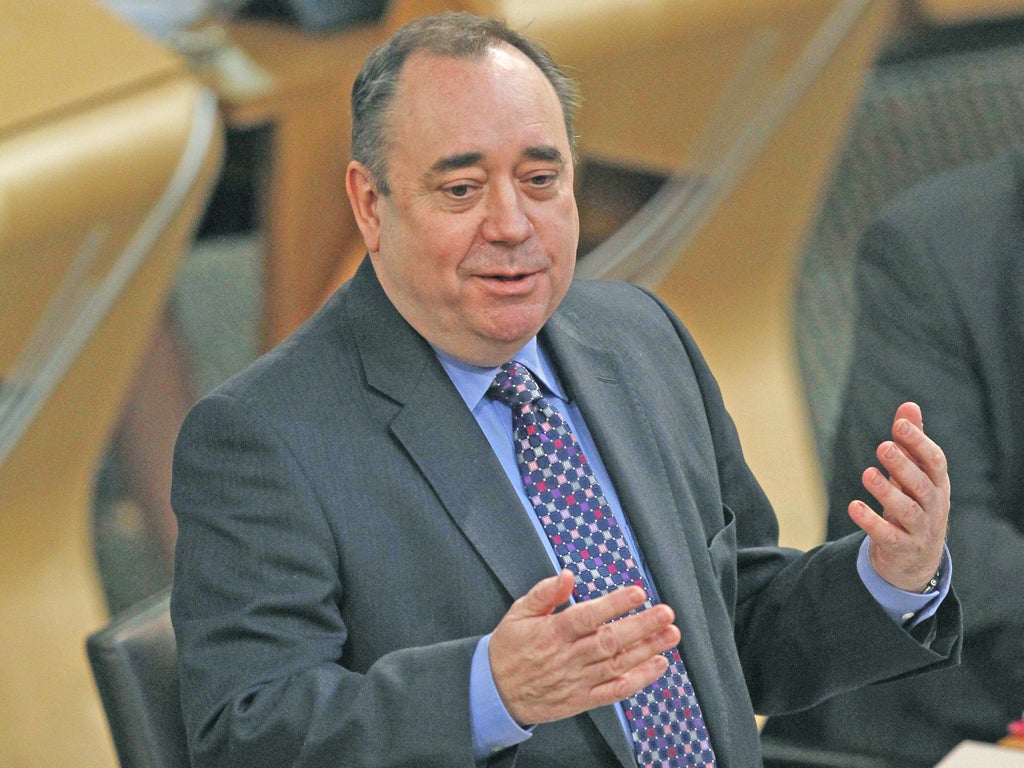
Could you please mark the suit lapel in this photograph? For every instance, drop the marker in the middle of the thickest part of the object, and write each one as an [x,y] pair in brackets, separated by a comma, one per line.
[664,517]
[401,365]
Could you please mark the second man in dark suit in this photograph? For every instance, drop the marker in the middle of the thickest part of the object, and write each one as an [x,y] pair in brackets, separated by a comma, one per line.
[940,293]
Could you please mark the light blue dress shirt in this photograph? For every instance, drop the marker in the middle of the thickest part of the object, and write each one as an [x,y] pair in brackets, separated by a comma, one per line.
[493,729]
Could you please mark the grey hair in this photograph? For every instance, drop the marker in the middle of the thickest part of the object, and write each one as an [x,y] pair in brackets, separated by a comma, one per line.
[455,35]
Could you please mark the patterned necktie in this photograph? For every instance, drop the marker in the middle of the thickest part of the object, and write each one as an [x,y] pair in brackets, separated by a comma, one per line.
[665,719]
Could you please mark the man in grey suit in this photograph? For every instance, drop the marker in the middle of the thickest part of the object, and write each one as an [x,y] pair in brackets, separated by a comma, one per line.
[940,292]
[361,579]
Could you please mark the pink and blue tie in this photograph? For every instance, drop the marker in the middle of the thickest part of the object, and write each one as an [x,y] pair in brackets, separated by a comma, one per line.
[665,718]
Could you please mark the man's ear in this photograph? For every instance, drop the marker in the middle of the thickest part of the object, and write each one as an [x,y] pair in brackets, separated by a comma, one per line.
[365,201]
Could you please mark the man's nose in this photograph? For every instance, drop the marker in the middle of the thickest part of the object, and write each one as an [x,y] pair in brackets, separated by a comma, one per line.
[505,220]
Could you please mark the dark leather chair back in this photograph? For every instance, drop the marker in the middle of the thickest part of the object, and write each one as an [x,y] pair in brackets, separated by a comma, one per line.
[134,659]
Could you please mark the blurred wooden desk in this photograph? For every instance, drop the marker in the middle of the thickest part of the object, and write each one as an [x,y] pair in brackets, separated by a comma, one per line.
[107,154]
[305,213]
[973,754]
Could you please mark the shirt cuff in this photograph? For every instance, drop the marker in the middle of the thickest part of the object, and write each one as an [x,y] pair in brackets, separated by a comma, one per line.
[907,609]
[493,727]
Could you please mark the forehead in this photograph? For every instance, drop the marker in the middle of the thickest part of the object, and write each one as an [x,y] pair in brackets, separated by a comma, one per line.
[498,100]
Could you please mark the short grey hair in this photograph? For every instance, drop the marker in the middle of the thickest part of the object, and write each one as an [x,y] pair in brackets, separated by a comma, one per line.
[456,35]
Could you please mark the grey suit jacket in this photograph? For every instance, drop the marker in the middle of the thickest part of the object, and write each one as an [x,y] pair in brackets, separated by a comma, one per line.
[347,535]
[940,288]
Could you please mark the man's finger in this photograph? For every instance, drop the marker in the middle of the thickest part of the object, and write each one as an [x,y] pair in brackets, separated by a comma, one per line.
[587,617]
[612,639]
[653,644]
[912,413]
[873,524]
[623,686]
[544,596]
[583,618]
[921,450]
[906,489]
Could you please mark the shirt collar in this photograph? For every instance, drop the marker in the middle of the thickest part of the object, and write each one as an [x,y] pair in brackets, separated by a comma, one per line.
[472,381]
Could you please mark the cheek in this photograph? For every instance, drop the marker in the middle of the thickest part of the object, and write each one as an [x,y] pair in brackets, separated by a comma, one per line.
[425,250]
[563,221]
[560,283]
[562,238]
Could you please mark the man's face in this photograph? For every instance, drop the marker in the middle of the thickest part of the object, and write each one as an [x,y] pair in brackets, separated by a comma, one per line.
[476,243]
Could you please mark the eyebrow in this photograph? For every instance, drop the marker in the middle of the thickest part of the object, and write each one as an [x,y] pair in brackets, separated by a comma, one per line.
[469,159]
[544,152]
[455,162]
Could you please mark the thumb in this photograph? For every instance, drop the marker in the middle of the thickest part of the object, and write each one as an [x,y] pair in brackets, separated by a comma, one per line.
[546,595]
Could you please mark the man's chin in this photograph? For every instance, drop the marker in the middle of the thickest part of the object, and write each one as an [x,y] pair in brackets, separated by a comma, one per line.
[496,345]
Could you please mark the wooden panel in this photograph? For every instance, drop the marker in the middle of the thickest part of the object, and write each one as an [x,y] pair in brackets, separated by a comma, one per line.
[79,175]
[59,55]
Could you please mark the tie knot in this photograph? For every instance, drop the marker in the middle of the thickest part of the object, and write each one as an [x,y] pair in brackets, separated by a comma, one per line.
[513,385]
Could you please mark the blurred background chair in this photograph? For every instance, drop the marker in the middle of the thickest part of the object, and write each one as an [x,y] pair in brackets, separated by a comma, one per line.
[108,149]
[134,659]
[947,90]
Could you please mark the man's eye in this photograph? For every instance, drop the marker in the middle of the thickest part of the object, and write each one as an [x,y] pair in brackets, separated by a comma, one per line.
[542,179]
[459,190]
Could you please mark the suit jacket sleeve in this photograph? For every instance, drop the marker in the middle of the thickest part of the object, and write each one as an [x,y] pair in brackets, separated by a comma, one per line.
[806,628]
[256,598]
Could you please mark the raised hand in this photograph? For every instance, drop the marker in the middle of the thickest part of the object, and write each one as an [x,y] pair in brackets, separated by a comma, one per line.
[548,666]
[907,539]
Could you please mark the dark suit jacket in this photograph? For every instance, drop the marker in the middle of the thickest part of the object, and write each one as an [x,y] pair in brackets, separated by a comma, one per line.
[347,535]
[940,287]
